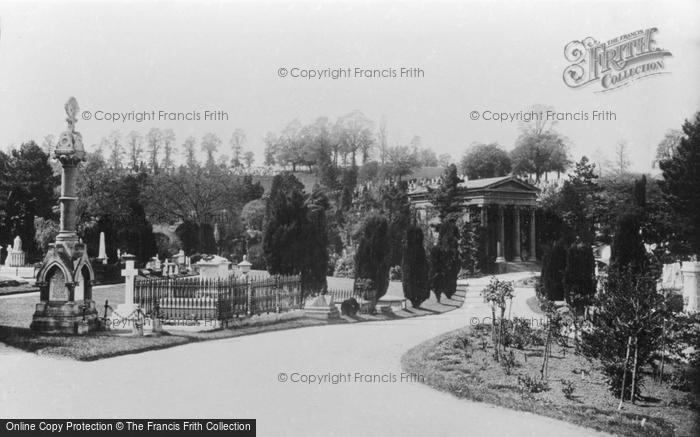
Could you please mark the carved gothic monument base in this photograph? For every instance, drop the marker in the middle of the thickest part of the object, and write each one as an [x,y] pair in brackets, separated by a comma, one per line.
[65,317]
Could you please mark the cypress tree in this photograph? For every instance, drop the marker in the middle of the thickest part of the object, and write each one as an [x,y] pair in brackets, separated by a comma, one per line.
[313,272]
[444,261]
[284,240]
[415,267]
[579,275]
[627,248]
[372,258]
[553,267]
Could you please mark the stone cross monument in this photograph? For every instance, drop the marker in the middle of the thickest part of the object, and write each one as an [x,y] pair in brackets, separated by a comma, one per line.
[66,275]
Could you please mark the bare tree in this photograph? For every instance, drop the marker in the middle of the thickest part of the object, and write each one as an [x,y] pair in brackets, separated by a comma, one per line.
[540,123]
[210,144]
[154,139]
[113,143]
[237,141]
[444,160]
[248,158]
[271,143]
[356,135]
[622,160]
[188,150]
[168,141]
[383,140]
[135,149]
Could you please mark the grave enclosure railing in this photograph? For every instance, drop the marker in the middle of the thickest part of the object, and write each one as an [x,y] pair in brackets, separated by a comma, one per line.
[195,298]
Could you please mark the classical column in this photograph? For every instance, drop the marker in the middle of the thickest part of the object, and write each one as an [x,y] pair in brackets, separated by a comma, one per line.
[501,236]
[516,234]
[533,241]
[484,217]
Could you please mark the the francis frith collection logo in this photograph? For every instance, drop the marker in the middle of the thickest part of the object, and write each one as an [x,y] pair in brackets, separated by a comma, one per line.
[614,63]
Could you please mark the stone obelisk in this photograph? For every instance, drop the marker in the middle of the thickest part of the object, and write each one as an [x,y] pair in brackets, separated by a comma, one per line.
[102,252]
[66,275]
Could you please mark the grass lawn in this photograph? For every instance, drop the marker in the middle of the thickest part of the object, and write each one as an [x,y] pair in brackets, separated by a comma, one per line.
[18,289]
[16,316]
[461,363]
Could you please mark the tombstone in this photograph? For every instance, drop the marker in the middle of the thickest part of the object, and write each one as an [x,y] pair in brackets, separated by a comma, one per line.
[217,235]
[15,255]
[691,286]
[322,307]
[181,257]
[672,276]
[102,254]
[153,263]
[244,267]
[129,273]
[66,275]
[168,268]
[213,267]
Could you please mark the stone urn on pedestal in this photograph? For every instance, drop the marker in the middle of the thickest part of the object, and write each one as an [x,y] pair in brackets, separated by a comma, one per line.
[65,277]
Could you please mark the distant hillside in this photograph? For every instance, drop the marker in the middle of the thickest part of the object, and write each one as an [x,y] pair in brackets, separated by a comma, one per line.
[308,179]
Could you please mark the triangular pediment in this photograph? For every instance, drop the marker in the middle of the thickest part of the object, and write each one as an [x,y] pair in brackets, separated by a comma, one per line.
[512,185]
[505,183]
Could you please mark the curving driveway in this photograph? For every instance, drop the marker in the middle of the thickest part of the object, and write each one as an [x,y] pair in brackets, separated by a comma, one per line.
[238,378]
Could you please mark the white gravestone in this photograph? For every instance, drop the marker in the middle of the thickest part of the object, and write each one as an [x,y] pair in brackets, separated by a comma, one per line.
[102,254]
[15,255]
[691,286]
[213,267]
[129,273]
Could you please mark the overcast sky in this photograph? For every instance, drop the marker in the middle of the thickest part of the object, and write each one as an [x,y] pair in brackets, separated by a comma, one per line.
[182,56]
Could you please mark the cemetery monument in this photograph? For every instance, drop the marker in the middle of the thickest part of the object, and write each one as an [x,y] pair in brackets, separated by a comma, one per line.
[66,275]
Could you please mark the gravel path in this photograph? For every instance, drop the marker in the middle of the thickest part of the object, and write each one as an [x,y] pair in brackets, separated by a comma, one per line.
[238,378]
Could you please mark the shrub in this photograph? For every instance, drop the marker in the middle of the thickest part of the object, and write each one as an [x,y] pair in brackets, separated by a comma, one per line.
[532,385]
[626,328]
[395,273]
[349,307]
[568,388]
[509,363]
[497,293]
[519,334]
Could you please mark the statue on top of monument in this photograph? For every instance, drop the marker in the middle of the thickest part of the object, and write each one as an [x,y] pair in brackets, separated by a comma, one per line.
[70,143]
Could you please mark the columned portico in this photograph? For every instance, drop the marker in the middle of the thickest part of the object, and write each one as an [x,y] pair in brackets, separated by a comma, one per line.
[503,204]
